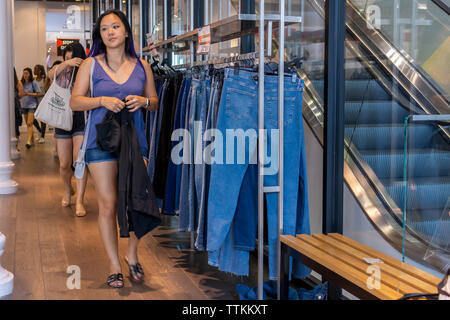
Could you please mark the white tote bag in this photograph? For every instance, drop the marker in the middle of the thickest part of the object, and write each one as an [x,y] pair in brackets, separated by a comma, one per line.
[54,108]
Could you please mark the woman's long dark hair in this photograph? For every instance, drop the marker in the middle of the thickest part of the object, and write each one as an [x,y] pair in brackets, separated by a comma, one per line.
[98,47]
[41,70]
[77,52]
[16,80]
[31,75]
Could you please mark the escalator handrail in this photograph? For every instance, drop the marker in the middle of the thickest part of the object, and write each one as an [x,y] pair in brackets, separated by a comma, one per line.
[442,5]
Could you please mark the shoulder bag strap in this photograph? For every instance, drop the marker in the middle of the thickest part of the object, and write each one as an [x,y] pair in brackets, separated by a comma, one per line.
[82,152]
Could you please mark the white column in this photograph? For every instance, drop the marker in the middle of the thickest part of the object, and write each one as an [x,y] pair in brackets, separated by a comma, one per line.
[14,153]
[6,277]
[7,186]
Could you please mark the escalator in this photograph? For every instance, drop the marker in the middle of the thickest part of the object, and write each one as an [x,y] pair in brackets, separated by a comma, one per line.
[386,85]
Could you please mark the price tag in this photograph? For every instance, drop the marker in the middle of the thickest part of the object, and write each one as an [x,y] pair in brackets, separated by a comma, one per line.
[151,40]
[204,40]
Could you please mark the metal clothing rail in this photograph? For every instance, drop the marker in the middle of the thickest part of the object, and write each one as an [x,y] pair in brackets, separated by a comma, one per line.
[258,56]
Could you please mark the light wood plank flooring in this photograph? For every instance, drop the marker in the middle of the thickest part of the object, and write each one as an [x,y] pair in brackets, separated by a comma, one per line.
[43,239]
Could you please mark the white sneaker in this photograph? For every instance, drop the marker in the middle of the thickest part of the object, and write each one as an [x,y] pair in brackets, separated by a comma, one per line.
[41,140]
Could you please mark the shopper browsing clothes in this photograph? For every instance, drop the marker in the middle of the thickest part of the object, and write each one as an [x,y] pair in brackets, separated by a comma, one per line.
[123,85]
[29,103]
[68,143]
[41,80]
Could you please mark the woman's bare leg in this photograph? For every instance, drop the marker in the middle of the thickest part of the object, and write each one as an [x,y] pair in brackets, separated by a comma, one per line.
[64,148]
[104,175]
[81,183]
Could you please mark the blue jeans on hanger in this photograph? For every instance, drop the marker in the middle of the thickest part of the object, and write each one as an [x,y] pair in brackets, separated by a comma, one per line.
[198,137]
[213,105]
[188,205]
[182,124]
[226,206]
[155,131]
[169,197]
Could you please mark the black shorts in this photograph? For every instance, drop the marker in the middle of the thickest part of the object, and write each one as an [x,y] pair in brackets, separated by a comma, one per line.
[77,127]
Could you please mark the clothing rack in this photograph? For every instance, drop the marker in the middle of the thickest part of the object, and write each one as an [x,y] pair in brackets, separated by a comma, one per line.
[260,56]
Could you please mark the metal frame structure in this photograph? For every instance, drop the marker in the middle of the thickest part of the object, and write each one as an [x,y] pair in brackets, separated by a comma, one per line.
[262,18]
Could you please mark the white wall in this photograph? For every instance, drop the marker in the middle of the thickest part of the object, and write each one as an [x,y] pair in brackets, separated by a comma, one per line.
[32,36]
[29,35]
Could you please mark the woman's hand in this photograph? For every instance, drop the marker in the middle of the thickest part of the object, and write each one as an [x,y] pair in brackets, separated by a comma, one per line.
[135,102]
[111,103]
[75,62]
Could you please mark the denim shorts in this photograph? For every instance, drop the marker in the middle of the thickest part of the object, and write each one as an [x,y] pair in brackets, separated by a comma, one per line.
[97,155]
[77,127]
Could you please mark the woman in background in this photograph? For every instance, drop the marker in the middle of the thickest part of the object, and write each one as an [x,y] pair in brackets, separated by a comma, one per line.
[41,79]
[18,93]
[29,102]
[69,142]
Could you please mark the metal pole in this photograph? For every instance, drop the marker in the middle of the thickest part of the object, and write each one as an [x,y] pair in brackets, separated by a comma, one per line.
[334,122]
[130,13]
[165,20]
[192,15]
[261,146]
[281,141]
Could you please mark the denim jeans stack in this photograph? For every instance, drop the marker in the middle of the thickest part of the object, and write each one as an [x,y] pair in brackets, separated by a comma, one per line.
[215,188]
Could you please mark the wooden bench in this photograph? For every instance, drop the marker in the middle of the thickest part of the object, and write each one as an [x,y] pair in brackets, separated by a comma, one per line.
[341,261]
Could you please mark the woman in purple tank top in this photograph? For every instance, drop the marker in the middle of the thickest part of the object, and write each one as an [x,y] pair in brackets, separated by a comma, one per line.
[118,75]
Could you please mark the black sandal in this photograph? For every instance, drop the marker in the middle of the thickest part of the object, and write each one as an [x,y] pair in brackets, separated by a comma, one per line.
[136,271]
[114,278]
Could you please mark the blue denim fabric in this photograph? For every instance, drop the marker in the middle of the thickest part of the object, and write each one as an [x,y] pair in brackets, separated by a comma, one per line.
[213,106]
[199,145]
[96,155]
[184,221]
[195,111]
[222,210]
[296,210]
[151,115]
[182,124]
[169,198]
[155,131]
[237,103]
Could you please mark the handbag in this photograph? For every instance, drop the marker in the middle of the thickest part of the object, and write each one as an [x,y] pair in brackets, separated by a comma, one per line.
[108,133]
[54,109]
[80,164]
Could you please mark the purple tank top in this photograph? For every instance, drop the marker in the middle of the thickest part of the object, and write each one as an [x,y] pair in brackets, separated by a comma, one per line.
[103,85]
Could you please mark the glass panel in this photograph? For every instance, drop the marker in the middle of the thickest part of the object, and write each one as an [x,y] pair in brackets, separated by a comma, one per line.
[180,16]
[307,40]
[136,27]
[426,185]
[419,28]
[220,9]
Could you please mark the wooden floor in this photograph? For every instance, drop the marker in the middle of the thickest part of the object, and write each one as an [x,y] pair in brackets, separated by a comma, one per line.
[43,239]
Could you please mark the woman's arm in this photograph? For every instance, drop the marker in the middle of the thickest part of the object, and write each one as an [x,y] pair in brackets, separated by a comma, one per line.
[79,101]
[48,82]
[136,102]
[37,93]
[19,87]
[75,62]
